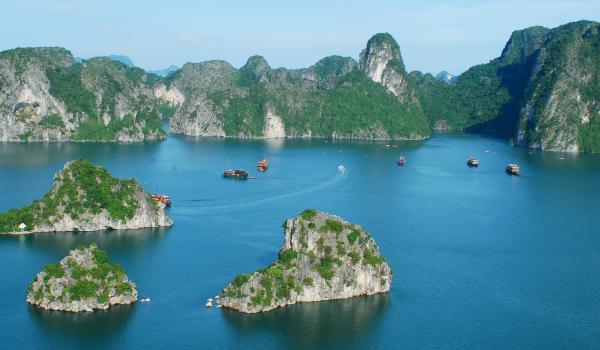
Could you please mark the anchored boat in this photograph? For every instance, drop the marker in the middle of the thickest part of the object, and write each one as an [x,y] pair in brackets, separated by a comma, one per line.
[164,199]
[263,165]
[236,174]
[513,169]
[401,161]
[473,162]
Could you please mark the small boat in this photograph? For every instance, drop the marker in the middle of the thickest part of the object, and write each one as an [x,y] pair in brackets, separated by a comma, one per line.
[145,301]
[208,304]
[236,174]
[263,165]
[401,161]
[513,169]
[164,199]
[473,162]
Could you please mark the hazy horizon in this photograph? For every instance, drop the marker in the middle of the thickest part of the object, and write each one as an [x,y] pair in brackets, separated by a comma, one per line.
[433,37]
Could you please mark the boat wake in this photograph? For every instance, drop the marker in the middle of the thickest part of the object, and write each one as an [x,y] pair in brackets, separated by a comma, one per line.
[340,176]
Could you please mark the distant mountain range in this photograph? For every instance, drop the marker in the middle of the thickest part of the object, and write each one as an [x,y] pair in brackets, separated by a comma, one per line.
[446,77]
[165,71]
[119,58]
[542,92]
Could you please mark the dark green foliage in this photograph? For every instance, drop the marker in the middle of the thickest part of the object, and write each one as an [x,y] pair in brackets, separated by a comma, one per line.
[370,259]
[354,105]
[53,271]
[332,226]
[287,257]
[87,189]
[308,281]
[52,121]
[102,298]
[66,84]
[83,289]
[123,288]
[353,236]
[325,268]
[355,257]
[240,280]
[308,214]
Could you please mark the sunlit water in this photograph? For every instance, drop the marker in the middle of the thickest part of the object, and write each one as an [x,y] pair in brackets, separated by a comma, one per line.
[481,259]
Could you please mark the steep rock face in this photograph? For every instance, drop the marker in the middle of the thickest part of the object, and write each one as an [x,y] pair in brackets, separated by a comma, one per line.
[46,96]
[198,115]
[561,111]
[382,62]
[82,281]
[84,197]
[330,99]
[323,258]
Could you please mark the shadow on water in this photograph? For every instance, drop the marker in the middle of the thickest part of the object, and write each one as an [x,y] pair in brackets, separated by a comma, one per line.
[338,323]
[89,328]
[62,242]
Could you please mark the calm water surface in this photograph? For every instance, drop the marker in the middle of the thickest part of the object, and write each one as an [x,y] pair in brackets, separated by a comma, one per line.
[481,259]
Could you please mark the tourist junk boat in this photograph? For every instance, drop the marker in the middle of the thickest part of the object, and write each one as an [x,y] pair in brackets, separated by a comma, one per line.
[236,174]
[401,161]
[164,199]
[473,162]
[513,169]
[263,165]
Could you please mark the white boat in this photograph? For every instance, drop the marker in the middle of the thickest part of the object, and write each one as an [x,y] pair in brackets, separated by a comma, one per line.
[146,300]
[208,303]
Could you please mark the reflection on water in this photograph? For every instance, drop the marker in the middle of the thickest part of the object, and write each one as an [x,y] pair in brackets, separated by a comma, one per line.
[339,323]
[42,153]
[89,328]
[62,242]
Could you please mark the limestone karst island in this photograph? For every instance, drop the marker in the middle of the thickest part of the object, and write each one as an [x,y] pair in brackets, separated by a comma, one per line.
[84,280]
[157,160]
[85,197]
[322,258]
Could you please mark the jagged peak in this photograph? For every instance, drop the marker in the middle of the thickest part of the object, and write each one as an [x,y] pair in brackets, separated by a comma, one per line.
[57,56]
[382,51]
[523,43]
[334,65]
[257,64]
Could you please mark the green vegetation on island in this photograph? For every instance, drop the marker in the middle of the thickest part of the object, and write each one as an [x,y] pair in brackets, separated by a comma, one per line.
[320,260]
[82,281]
[81,191]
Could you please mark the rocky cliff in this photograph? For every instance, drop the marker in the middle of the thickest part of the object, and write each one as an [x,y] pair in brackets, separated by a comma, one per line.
[561,109]
[46,96]
[382,62]
[543,91]
[85,197]
[83,281]
[322,258]
[333,98]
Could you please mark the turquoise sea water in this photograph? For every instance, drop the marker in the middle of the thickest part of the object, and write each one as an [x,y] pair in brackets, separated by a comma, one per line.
[481,259]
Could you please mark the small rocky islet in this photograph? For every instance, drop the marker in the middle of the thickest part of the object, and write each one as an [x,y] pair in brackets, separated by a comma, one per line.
[84,280]
[323,258]
[85,197]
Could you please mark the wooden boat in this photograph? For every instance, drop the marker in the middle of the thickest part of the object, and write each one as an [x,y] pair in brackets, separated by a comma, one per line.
[236,174]
[401,161]
[513,169]
[473,162]
[164,199]
[263,165]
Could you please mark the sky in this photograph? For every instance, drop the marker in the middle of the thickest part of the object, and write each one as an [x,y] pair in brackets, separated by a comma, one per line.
[434,35]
